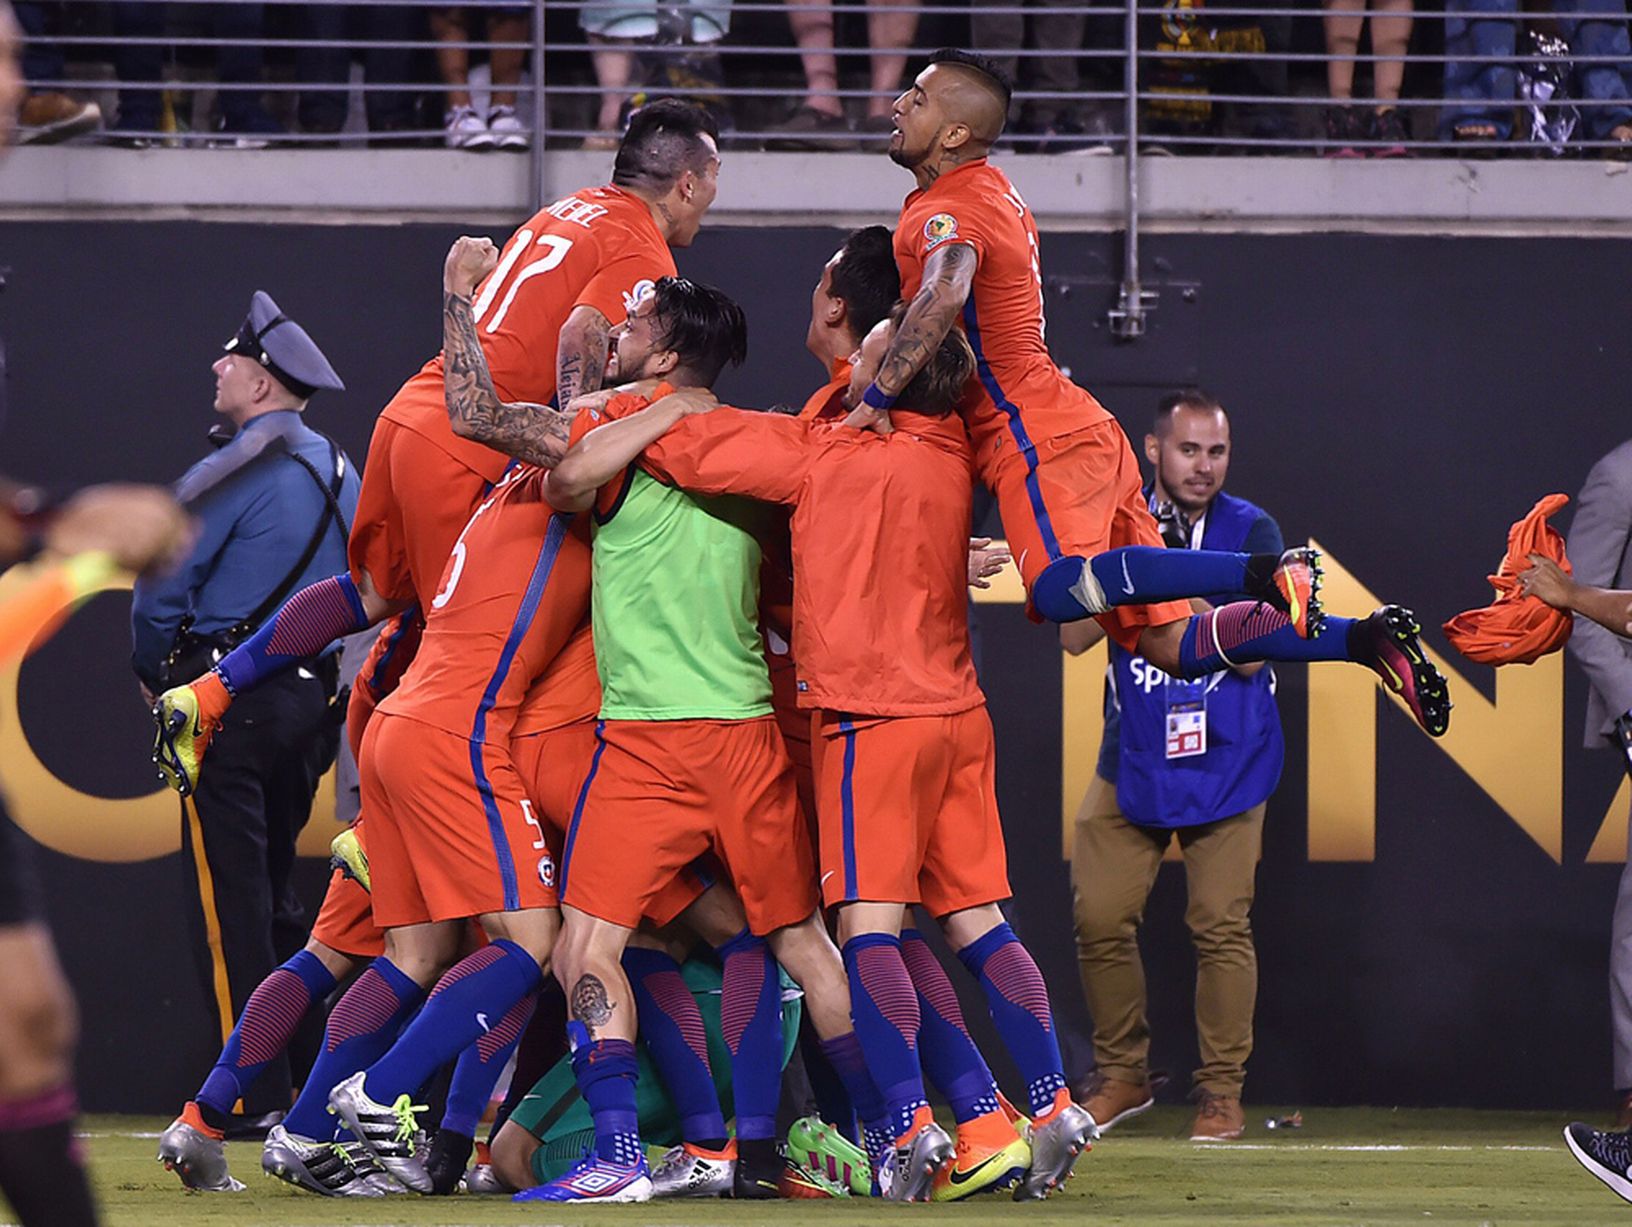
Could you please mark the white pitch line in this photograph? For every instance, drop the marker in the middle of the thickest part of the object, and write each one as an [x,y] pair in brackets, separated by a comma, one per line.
[1304,1146]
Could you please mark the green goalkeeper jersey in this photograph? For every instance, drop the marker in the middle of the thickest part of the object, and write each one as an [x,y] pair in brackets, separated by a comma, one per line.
[676,605]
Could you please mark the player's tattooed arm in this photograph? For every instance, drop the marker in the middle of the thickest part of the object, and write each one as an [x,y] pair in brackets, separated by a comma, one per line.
[536,434]
[590,1003]
[948,277]
[580,354]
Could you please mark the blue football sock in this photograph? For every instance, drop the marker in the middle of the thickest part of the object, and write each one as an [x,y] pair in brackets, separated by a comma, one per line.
[947,1051]
[469,999]
[1246,631]
[1133,575]
[1018,1000]
[361,1027]
[885,1010]
[672,1027]
[606,1072]
[833,1103]
[303,626]
[844,1054]
[751,1017]
[270,1017]
[477,1071]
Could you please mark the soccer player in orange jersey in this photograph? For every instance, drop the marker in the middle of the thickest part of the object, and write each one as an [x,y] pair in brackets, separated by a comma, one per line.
[904,756]
[1066,480]
[542,323]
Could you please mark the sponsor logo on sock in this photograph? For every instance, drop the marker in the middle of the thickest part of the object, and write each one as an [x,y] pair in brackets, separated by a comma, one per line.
[1127,580]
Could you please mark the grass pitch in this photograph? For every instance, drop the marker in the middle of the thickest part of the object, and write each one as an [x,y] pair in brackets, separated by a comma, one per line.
[1344,1168]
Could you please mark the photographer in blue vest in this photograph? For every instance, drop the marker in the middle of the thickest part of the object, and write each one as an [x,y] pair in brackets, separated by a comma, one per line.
[1194,761]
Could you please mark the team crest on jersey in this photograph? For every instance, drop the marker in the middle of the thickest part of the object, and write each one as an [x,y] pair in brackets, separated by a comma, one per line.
[546,870]
[642,291]
[939,228]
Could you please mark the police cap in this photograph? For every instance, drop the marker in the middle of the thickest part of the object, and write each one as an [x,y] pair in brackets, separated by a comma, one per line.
[270,337]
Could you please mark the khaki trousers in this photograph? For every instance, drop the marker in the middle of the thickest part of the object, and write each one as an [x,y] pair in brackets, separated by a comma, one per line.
[1113,867]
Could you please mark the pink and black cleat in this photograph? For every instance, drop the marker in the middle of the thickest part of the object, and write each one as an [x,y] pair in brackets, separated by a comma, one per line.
[1387,642]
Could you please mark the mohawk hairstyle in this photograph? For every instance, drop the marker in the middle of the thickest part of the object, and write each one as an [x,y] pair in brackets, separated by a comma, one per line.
[985,66]
[664,140]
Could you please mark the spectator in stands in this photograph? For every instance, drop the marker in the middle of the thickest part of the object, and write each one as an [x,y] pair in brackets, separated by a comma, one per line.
[139,65]
[500,127]
[48,115]
[1001,34]
[324,110]
[819,121]
[641,49]
[1483,90]
[1390,35]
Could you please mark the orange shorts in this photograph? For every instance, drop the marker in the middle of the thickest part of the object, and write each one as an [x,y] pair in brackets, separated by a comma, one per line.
[908,808]
[552,765]
[661,793]
[452,832]
[1083,495]
[345,922]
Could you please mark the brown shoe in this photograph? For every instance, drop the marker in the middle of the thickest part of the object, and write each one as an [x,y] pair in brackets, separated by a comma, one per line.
[50,117]
[810,129]
[1219,1118]
[1110,1101]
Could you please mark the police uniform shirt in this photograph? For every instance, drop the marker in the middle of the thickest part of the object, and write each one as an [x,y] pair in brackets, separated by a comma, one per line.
[256,509]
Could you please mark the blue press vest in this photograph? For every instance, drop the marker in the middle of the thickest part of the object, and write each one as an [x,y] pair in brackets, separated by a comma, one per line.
[1242,765]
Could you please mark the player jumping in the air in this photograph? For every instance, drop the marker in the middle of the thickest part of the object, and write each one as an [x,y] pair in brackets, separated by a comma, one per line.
[542,322]
[1067,483]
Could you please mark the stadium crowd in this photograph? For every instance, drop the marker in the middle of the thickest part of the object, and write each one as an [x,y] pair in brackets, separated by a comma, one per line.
[1540,79]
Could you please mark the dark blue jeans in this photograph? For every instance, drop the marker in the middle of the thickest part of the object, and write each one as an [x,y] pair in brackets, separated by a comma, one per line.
[1484,92]
[325,110]
[138,107]
[42,59]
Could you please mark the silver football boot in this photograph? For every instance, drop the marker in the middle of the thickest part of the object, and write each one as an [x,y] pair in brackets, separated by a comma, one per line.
[200,1160]
[1054,1148]
[908,1172]
[333,1169]
[483,1181]
[685,1173]
[389,1133]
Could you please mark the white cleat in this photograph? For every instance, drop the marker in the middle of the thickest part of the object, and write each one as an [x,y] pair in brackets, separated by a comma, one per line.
[1054,1149]
[200,1160]
[687,1171]
[388,1133]
[908,1172]
[331,1169]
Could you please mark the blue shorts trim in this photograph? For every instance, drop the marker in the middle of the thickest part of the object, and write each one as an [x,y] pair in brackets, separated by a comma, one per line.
[1017,428]
[530,600]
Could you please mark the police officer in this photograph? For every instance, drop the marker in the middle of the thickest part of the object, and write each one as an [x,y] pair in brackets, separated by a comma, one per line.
[274,508]
[1196,760]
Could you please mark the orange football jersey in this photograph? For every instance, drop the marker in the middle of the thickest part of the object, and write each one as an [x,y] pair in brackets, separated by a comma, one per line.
[514,595]
[880,614]
[598,247]
[1024,398]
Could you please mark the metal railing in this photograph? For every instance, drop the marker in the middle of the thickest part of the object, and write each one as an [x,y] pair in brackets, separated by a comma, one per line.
[1178,76]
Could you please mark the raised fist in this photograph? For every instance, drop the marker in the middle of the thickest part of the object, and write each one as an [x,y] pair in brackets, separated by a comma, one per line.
[469,260]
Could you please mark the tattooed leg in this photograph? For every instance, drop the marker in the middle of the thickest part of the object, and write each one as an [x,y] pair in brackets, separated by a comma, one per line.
[589,963]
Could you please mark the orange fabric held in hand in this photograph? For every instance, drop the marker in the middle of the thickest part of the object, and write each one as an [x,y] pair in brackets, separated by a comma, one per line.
[1514,628]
